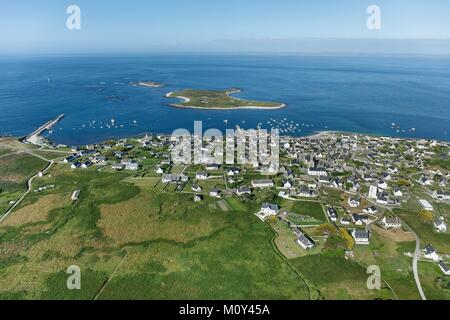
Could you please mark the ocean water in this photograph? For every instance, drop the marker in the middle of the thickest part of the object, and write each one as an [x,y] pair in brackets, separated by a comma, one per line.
[356,94]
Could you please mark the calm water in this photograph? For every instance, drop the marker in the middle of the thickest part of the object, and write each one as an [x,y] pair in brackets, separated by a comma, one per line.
[358,94]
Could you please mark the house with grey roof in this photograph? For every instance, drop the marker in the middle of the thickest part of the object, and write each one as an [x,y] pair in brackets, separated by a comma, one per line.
[361,236]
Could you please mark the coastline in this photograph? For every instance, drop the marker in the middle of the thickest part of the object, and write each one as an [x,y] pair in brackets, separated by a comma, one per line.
[313,135]
[228,93]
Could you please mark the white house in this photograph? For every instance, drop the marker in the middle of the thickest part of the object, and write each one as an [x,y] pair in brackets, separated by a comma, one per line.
[132,166]
[354,202]
[370,210]
[332,214]
[75,195]
[441,195]
[159,170]
[243,190]
[361,236]
[69,159]
[306,192]
[398,193]
[392,170]
[345,221]
[444,267]
[382,185]
[215,193]
[391,222]
[202,175]
[233,171]
[212,167]
[304,242]
[360,219]
[267,209]
[426,205]
[117,166]
[424,181]
[430,253]
[287,184]
[198,198]
[440,225]
[265,183]
[75,165]
[373,191]
[86,164]
[317,171]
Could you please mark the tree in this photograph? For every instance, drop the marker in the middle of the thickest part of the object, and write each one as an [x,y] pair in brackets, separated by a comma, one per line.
[327,229]
[426,215]
[347,237]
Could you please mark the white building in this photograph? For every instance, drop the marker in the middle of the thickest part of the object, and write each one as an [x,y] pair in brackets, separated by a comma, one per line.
[361,236]
[430,253]
[287,184]
[370,210]
[243,190]
[202,175]
[360,219]
[354,202]
[373,191]
[345,221]
[304,242]
[269,208]
[317,171]
[444,267]
[393,222]
[75,195]
[382,185]
[332,214]
[132,166]
[86,164]
[440,225]
[266,183]
[426,205]
[398,193]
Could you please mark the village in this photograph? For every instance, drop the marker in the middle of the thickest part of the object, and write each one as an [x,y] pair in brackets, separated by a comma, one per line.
[355,181]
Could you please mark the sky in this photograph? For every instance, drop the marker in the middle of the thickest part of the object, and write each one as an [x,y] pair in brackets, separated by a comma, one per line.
[145,26]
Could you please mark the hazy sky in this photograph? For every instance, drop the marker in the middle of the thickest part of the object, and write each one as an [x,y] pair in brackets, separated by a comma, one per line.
[31,26]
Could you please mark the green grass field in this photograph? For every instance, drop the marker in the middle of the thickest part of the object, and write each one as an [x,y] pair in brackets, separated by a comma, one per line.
[15,170]
[305,208]
[159,246]
[425,230]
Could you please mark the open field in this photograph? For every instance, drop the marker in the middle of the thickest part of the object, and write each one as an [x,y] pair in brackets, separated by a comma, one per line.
[331,276]
[153,245]
[387,250]
[15,169]
[435,284]
[425,230]
[304,208]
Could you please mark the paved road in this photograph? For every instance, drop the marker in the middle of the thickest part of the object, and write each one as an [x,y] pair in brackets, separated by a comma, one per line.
[29,188]
[415,263]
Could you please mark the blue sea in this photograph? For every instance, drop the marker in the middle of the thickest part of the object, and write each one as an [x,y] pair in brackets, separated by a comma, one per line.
[383,95]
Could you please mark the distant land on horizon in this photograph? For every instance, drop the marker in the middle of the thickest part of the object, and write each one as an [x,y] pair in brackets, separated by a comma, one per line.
[273,46]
